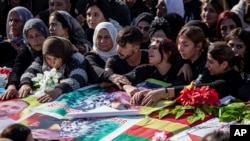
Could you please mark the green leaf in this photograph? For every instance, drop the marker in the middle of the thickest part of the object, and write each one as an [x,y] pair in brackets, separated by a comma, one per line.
[188,107]
[200,113]
[245,121]
[179,113]
[191,119]
[163,113]
[176,109]
[227,117]
[237,105]
[207,109]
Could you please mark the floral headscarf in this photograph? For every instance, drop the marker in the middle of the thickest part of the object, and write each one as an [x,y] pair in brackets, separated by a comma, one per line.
[113,33]
[40,26]
[76,31]
[24,15]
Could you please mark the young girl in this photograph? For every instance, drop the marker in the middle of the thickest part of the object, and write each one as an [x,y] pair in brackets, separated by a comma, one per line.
[60,54]
[165,63]
[221,74]
[192,45]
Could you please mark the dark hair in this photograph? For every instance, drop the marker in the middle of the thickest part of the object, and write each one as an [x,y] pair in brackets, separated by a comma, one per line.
[244,36]
[145,16]
[168,46]
[16,132]
[176,22]
[226,15]
[160,24]
[129,34]
[195,34]
[220,51]
[199,24]
[62,20]
[101,4]
[217,135]
[217,5]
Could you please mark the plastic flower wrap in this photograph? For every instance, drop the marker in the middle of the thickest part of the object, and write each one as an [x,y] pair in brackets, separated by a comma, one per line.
[4,74]
[46,81]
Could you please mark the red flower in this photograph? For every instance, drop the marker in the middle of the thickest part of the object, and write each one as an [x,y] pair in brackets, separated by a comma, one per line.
[5,71]
[195,96]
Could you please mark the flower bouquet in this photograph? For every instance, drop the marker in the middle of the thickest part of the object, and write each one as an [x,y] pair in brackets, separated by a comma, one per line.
[200,100]
[4,74]
[46,81]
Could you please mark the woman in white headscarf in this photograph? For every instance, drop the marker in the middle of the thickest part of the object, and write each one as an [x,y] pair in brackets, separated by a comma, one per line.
[104,46]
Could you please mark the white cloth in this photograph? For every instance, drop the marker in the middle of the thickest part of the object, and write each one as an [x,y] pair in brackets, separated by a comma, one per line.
[113,33]
[175,6]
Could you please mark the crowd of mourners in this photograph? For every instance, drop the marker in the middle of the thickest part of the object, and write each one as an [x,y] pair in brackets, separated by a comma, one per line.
[122,43]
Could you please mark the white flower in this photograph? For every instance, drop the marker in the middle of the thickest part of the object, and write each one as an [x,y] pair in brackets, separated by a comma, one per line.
[47,81]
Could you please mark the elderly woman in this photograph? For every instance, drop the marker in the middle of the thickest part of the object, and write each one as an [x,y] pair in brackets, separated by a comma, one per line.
[15,22]
[14,26]
[34,34]
[60,54]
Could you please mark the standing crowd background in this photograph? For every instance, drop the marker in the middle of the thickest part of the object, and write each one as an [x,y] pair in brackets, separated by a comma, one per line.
[125,42]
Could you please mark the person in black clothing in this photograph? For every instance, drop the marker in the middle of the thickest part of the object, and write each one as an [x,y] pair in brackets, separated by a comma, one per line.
[210,10]
[165,63]
[104,47]
[117,10]
[129,55]
[54,5]
[238,41]
[136,7]
[5,7]
[143,22]
[192,45]
[34,34]
[221,74]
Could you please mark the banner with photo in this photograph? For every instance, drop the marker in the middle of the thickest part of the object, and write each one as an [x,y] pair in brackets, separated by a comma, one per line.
[15,109]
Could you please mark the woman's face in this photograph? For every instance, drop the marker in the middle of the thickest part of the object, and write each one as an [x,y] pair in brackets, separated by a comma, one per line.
[237,46]
[94,16]
[214,66]
[144,26]
[154,55]
[161,9]
[208,14]
[53,62]
[15,24]
[159,34]
[35,39]
[56,28]
[226,26]
[103,40]
[187,49]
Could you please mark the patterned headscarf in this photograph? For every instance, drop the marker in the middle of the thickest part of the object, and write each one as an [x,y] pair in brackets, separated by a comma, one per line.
[40,26]
[113,33]
[76,31]
[24,15]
